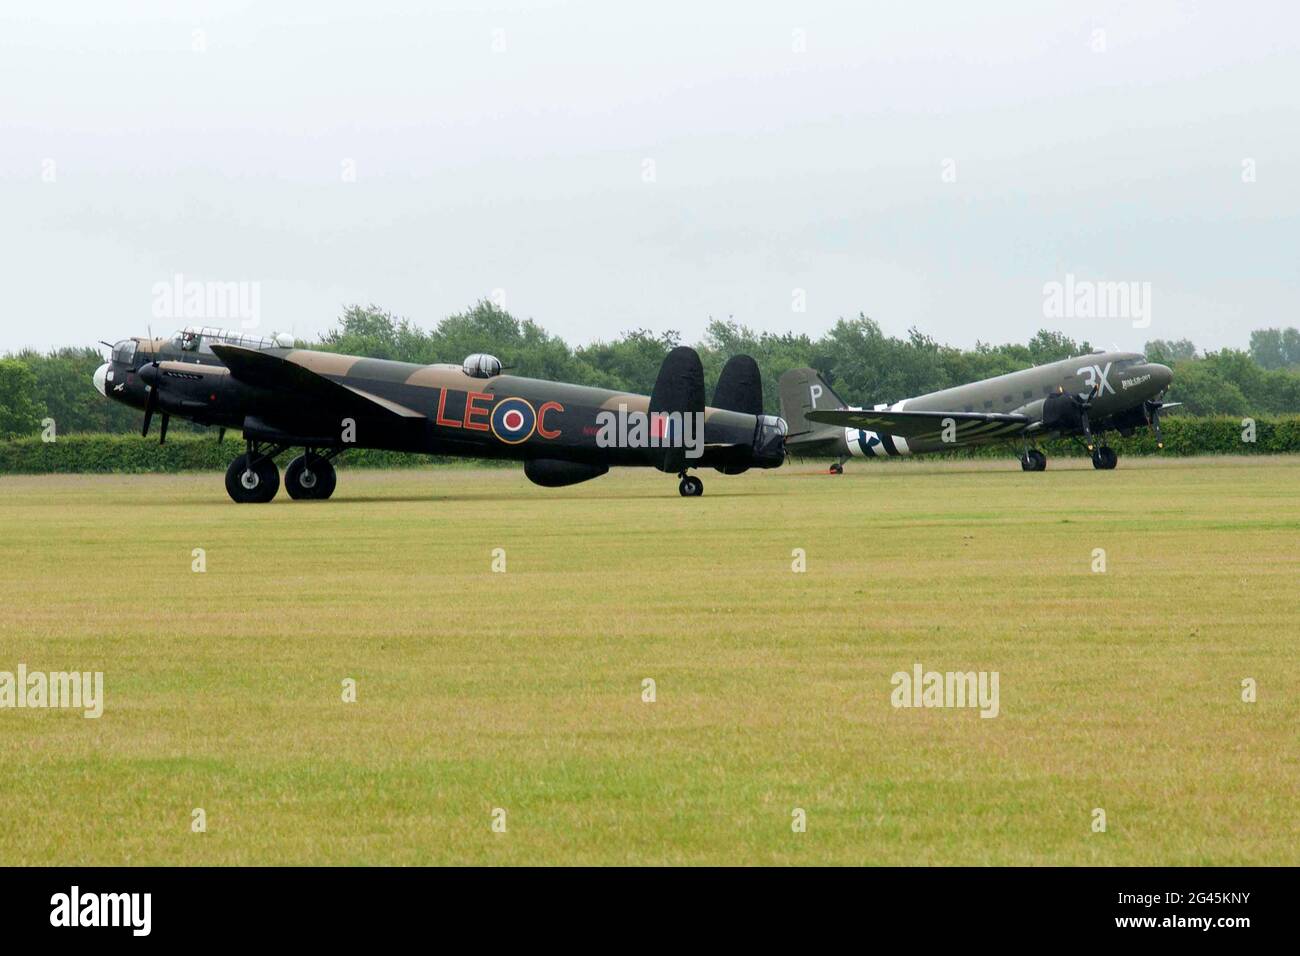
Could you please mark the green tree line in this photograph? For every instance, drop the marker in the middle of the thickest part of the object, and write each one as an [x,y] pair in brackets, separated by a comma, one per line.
[861,362]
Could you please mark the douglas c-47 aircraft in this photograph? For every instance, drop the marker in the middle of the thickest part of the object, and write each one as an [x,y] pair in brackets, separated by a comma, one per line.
[1084,397]
[281,397]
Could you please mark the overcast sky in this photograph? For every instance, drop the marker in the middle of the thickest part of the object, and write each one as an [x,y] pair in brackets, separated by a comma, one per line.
[609,166]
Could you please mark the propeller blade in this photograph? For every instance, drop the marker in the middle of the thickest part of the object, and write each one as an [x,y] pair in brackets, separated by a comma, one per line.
[150,405]
[162,429]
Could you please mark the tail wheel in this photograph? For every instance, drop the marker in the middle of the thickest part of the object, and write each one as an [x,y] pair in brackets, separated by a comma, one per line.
[690,487]
[310,477]
[257,484]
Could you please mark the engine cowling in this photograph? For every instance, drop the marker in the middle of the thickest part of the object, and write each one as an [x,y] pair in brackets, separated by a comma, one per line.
[553,473]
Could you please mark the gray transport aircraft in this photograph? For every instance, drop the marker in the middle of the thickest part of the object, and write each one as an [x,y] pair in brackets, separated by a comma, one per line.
[1083,398]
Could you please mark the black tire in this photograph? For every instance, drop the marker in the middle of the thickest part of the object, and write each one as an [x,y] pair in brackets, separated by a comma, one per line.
[1104,458]
[1039,460]
[1027,463]
[257,485]
[837,468]
[690,487]
[310,478]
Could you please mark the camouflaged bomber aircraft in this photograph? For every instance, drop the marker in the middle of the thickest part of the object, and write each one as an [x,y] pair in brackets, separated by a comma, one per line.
[1082,397]
[282,397]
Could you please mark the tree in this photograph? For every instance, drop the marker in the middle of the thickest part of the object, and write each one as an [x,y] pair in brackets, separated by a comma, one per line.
[1048,346]
[1275,348]
[21,409]
[1203,391]
[1167,352]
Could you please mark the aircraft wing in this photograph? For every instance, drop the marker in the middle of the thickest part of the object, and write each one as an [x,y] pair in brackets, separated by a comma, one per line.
[272,372]
[969,426]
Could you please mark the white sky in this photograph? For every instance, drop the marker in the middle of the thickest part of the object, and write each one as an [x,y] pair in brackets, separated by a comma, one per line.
[775,170]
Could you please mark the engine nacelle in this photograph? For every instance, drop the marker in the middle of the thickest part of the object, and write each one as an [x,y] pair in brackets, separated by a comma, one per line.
[553,473]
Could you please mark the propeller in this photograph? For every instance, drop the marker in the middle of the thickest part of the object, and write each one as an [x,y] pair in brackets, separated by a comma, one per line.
[1083,404]
[151,376]
[150,405]
[1153,407]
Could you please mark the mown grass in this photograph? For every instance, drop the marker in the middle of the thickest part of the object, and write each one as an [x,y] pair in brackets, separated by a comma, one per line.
[522,690]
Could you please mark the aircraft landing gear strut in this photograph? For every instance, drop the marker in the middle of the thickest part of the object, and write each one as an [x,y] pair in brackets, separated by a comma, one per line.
[690,486]
[253,478]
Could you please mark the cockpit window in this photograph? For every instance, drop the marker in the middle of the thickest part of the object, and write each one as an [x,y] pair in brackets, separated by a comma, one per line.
[124,352]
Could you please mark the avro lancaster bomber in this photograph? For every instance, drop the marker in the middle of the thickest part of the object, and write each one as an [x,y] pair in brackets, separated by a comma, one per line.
[282,397]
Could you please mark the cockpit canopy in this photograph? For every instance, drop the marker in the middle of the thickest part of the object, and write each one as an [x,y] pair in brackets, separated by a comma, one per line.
[202,338]
[124,352]
[481,365]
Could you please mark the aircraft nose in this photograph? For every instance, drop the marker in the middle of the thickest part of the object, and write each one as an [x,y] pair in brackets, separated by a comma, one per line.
[1162,374]
[101,379]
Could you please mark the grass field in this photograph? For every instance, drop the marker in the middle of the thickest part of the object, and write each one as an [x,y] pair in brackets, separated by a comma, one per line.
[477,690]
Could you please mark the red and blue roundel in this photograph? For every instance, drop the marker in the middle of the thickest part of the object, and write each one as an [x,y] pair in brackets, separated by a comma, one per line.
[513,420]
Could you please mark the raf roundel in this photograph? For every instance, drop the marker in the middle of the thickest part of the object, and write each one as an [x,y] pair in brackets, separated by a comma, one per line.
[513,420]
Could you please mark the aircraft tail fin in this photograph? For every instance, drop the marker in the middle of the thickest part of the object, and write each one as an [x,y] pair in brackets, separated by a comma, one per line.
[740,386]
[803,390]
[678,389]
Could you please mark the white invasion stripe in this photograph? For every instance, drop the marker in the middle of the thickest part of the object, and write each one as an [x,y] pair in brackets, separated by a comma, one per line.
[901,445]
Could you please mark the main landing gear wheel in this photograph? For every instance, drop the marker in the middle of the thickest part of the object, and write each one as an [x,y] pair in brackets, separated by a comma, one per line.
[1104,458]
[690,487]
[1033,460]
[252,485]
[310,477]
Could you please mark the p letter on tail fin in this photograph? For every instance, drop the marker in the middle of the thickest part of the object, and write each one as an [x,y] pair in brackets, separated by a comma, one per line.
[803,390]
